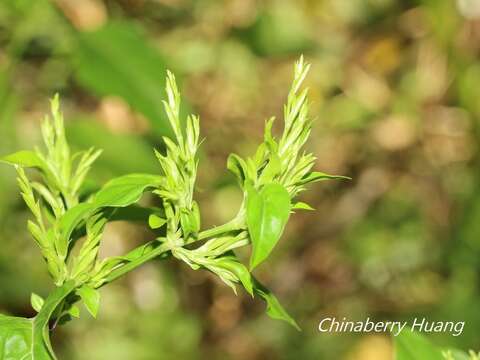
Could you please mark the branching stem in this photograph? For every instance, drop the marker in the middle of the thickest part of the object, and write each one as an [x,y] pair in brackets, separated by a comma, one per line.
[160,249]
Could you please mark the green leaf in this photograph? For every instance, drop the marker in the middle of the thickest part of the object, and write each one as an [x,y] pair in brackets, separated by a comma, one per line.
[413,346]
[117,60]
[125,190]
[196,217]
[302,206]
[73,217]
[190,220]
[74,311]
[156,222]
[315,176]
[232,264]
[85,132]
[28,339]
[274,309]
[23,158]
[269,140]
[267,214]
[16,340]
[238,167]
[91,298]
[272,169]
[119,192]
[36,301]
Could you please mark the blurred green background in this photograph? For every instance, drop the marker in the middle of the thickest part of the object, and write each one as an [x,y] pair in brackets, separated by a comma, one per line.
[394,86]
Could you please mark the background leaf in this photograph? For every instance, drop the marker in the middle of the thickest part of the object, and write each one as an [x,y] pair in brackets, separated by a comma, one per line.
[84,133]
[413,346]
[117,60]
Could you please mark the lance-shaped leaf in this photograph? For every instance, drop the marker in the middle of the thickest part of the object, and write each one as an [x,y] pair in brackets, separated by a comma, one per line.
[267,214]
[125,190]
[274,309]
[119,192]
[302,206]
[231,263]
[23,158]
[315,176]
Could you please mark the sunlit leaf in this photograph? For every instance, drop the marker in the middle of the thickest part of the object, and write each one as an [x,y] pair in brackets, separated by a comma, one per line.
[156,222]
[302,206]
[28,339]
[119,192]
[23,158]
[232,264]
[16,339]
[125,190]
[315,176]
[91,299]
[267,214]
[272,169]
[274,309]
[74,311]
[36,301]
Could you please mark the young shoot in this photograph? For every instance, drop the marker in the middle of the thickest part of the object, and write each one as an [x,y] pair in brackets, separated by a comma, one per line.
[64,217]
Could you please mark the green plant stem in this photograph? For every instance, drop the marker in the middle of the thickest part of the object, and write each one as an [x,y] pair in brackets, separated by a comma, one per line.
[236,224]
[161,249]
